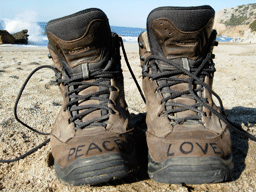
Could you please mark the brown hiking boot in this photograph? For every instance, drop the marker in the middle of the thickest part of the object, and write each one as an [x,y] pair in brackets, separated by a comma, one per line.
[187,137]
[91,138]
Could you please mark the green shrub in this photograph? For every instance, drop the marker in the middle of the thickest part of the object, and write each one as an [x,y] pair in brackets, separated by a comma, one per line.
[245,8]
[239,20]
[253,26]
[241,32]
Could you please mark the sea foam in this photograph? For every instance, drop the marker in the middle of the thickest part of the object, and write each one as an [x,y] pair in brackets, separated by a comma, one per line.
[26,20]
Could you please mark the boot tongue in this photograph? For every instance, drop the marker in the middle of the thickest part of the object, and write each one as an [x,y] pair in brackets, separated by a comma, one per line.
[180,32]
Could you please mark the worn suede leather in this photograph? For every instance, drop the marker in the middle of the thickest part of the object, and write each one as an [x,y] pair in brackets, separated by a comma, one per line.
[94,46]
[165,140]
[88,48]
[180,44]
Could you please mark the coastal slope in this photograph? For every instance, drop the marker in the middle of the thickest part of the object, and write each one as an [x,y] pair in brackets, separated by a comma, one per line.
[237,22]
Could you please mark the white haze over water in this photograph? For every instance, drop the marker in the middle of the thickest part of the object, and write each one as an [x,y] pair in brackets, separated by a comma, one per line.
[26,20]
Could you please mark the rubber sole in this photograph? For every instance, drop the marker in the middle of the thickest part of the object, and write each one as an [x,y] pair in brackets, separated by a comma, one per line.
[191,170]
[94,170]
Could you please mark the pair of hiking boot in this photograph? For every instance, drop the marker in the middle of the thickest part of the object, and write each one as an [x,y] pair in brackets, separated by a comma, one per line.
[92,140]
[187,136]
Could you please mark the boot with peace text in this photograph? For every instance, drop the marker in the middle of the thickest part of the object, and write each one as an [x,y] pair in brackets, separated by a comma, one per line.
[91,139]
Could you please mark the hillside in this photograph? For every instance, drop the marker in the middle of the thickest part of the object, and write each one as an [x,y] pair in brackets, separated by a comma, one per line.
[238,22]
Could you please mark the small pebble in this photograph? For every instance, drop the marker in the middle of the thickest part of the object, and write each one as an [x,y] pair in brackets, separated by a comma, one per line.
[14,77]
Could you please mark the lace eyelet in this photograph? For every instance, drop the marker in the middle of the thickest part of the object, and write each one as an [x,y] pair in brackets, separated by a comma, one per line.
[160,114]
[112,112]
[112,88]
[141,45]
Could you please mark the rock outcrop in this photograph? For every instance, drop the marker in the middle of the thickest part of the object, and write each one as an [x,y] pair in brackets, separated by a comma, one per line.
[238,22]
[6,37]
[21,37]
[16,38]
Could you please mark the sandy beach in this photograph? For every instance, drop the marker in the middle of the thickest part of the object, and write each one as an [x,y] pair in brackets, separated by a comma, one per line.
[234,82]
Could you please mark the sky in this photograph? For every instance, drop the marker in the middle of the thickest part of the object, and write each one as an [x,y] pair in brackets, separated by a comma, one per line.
[128,13]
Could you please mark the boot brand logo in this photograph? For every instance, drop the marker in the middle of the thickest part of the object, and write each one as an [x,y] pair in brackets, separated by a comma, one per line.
[188,147]
[85,150]
[80,50]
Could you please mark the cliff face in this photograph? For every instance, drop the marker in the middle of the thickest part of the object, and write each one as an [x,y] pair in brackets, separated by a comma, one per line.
[236,21]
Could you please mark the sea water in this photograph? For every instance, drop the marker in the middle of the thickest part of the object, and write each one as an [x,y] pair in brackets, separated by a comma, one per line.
[37,36]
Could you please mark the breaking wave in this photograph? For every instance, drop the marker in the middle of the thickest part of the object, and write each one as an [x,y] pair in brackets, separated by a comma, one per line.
[26,20]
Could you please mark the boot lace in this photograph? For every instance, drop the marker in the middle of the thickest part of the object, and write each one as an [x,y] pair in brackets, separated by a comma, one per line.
[102,80]
[195,78]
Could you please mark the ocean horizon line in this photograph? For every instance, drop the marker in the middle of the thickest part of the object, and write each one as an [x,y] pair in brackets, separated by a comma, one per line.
[37,35]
